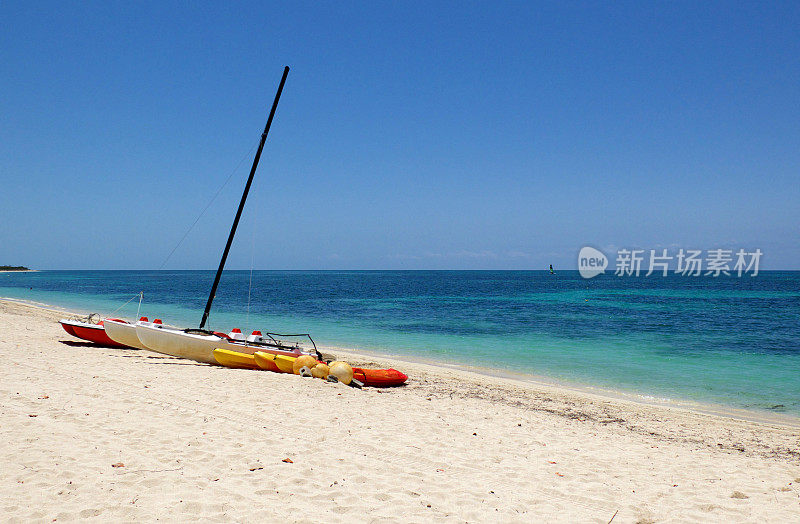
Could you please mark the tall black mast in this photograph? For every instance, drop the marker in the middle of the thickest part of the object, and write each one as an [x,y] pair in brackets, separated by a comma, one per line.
[244,197]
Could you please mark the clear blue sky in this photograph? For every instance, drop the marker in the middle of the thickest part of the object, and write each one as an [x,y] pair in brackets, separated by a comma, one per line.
[410,134]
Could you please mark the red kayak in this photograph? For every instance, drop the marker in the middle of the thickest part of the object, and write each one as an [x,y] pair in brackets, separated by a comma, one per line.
[92,332]
[380,378]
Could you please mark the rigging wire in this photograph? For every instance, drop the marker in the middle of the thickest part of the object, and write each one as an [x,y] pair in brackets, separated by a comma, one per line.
[252,262]
[196,220]
[219,190]
[138,309]
[138,295]
[189,230]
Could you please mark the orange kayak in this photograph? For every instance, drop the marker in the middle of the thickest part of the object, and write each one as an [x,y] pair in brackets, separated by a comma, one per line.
[380,378]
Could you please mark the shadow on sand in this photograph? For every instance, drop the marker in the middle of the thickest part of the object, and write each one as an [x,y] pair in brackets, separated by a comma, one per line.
[74,344]
[166,359]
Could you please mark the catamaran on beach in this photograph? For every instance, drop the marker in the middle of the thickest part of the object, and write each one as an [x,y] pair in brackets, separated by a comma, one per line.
[234,349]
[195,344]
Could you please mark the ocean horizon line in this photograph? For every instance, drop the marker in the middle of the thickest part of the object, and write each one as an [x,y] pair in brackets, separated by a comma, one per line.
[442,270]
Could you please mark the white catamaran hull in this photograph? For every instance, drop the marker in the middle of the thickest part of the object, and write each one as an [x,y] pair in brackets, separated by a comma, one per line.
[123,333]
[195,346]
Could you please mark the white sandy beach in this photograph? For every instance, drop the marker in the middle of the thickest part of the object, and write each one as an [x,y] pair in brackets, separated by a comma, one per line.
[89,432]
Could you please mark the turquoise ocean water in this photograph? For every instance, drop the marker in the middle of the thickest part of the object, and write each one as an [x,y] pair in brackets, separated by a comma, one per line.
[727,340]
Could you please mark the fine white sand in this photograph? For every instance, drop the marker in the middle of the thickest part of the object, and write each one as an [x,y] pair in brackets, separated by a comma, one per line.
[132,435]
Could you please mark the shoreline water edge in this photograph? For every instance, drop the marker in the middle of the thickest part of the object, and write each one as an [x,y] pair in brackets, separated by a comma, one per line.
[637,394]
[714,345]
[521,378]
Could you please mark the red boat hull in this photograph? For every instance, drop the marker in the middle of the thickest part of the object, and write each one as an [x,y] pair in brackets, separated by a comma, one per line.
[68,328]
[91,332]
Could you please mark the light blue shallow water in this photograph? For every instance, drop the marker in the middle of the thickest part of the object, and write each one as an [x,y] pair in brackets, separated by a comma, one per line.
[730,341]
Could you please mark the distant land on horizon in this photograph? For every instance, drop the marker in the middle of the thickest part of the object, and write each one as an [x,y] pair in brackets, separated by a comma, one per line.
[15,268]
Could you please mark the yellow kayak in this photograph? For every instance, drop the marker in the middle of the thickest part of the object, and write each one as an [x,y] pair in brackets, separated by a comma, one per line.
[276,363]
[234,359]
